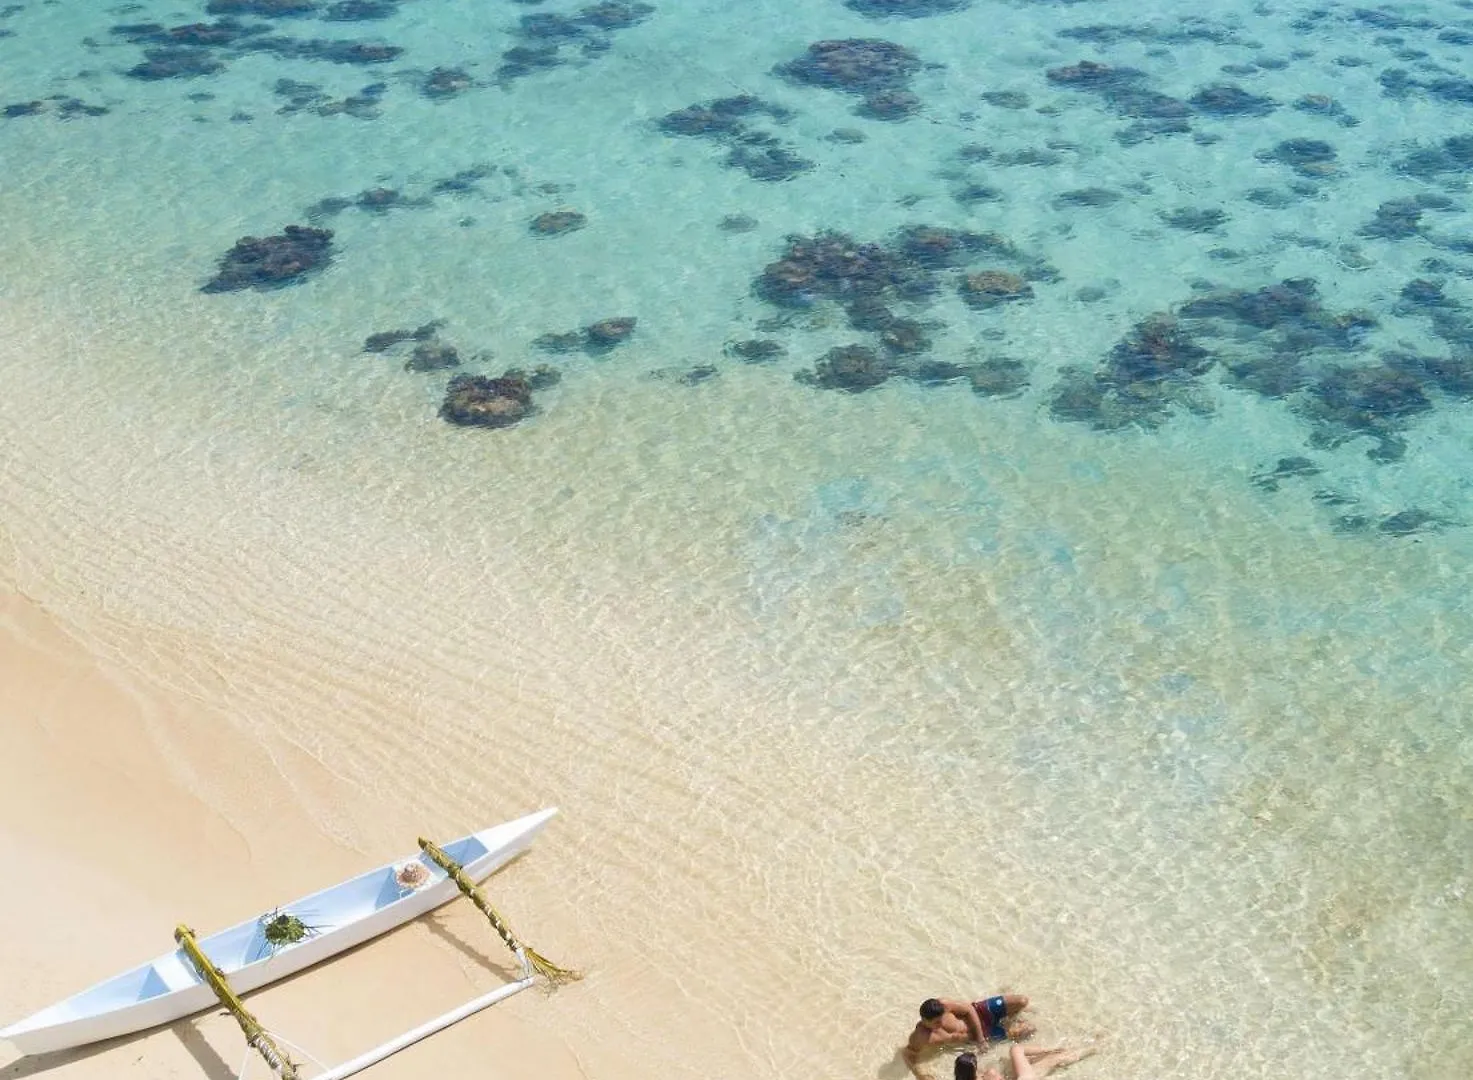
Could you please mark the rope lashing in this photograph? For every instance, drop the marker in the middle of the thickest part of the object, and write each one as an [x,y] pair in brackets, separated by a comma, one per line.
[256,1035]
[538,963]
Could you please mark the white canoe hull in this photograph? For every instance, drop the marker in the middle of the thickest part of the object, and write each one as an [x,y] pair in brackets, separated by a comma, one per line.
[348,914]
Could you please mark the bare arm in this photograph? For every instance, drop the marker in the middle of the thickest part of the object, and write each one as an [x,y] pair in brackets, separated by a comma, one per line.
[967,1013]
[913,1061]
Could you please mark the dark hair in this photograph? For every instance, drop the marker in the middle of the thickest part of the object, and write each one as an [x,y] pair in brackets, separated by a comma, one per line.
[931,1008]
[965,1067]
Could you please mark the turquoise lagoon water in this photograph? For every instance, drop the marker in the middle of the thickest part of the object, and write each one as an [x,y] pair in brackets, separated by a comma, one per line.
[1142,687]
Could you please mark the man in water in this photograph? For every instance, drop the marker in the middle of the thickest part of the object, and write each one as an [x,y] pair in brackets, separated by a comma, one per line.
[949,1023]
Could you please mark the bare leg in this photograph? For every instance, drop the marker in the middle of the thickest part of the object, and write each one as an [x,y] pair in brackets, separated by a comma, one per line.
[1018,1029]
[1034,1064]
[1013,1004]
[1035,1054]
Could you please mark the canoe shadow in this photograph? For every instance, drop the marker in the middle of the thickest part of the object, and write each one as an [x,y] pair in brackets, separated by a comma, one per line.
[34,1065]
[211,1064]
[435,924]
[205,1056]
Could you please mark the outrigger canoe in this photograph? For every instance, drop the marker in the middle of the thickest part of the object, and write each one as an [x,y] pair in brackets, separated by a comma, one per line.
[251,955]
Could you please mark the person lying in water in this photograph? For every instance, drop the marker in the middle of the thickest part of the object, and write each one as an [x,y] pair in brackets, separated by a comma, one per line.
[950,1023]
[1029,1063]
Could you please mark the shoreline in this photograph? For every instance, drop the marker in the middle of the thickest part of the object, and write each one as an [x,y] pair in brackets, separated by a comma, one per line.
[749,697]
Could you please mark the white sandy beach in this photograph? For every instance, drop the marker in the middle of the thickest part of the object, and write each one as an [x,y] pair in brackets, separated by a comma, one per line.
[112,848]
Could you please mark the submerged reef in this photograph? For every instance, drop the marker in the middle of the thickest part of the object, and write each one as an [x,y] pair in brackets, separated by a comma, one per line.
[58,105]
[445,82]
[361,10]
[855,368]
[1453,155]
[1152,369]
[1126,93]
[854,66]
[720,117]
[557,222]
[607,333]
[205,48]
[897,104]
[1326,106]
[470,400]
[594,339]
[1447,376]
[999,377]
[756,350]
[1292,307]
[432,355]
[904,9]
[463,183]
[482,401]
[878,71]
[737,223]
[1404,523]
[545,36]
[180,63]
[1286,468]
[849,367]
[1090,196]
[613,15]
[1400,219]
[684,376]
[329,50]
[269,8]
[763,158]
[1280,341]
[1157,348]
[988,288]
[935,247]
[1007,99]
[1370,400]
[1308,157]
[384,340]
[1230,100]
[308,97]
[832,266]
[194,49]
[379,200]
[273,261]
[1276,341]
[728,121]
[868,281]
[190,35]
[1196,219]
[1187,28]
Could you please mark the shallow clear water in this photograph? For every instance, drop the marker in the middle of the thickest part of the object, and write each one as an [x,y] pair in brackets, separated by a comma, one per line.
[880,694]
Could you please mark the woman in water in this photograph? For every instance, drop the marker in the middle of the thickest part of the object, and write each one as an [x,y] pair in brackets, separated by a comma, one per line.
[1029,1063]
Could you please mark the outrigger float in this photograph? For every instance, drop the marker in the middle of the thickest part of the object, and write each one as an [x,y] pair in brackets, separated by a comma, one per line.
[202,972]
